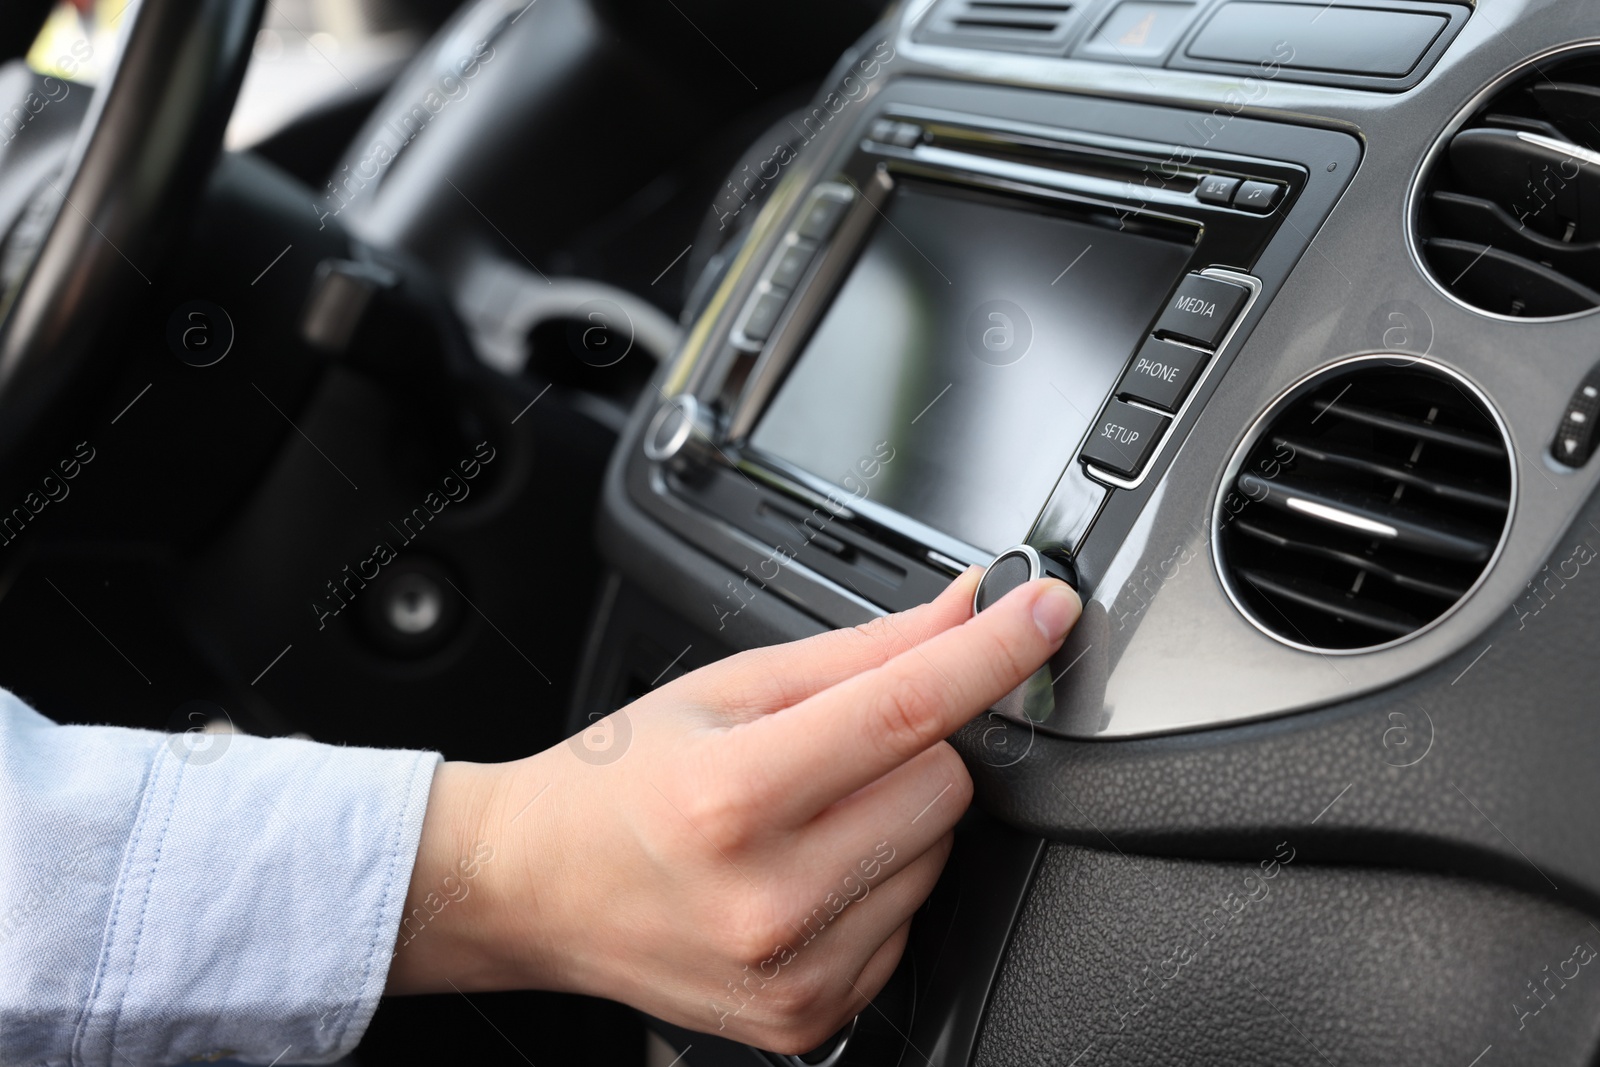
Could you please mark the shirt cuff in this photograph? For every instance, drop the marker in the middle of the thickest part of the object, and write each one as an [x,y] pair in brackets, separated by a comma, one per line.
[257,905]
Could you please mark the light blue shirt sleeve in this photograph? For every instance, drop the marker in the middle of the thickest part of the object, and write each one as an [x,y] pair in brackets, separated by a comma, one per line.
[162,902]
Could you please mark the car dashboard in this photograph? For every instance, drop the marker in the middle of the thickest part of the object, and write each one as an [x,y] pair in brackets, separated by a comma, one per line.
[1271,324]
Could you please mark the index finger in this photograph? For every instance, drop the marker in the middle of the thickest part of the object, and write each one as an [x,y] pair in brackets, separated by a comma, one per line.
[767,679]
[835,742]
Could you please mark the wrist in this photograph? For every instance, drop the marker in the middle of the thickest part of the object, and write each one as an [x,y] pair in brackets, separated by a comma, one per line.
[446,935]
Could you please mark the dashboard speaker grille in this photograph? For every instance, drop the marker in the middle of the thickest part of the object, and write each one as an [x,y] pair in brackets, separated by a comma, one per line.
[1040,26]
[1508,216]
[1370,504]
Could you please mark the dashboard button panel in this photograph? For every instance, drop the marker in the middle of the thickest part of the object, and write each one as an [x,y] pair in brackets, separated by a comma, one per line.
[1160,379]
[820,216]
[1579,431]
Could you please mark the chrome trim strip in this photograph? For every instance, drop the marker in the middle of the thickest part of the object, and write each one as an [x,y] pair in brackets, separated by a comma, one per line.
[1341,517]
[1566,148]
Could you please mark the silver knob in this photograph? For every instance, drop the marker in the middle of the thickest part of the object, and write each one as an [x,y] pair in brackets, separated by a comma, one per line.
[680,426]
[1015,567]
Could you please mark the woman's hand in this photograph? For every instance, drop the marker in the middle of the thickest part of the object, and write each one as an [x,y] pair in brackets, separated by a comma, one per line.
[750,863]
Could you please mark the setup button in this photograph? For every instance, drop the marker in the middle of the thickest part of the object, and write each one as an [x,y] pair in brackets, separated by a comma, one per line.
[1162,374]
[1202,310]
[1122,441]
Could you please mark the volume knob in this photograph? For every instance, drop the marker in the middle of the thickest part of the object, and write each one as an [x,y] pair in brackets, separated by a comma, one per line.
[1016,567]
[680,427]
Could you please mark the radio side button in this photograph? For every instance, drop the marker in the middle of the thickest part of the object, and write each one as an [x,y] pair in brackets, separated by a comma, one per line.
[1216,189]
[1260,197]
[1162,374]
[1122,441]
[823,211]
[1201,310]
[791,264]
[761,316]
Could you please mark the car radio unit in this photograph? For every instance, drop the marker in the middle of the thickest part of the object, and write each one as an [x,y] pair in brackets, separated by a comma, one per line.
[964,332]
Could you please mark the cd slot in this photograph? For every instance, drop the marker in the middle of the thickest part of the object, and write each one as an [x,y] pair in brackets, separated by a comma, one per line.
[1083,160]
[1132,190]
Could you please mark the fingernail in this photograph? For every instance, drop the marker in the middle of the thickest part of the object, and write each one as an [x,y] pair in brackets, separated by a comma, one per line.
[1056,610]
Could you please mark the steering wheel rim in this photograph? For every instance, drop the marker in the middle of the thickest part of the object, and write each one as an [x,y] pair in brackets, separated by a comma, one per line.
[152,130]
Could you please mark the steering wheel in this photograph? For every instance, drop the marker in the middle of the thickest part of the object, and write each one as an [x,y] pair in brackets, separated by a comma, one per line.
[94,231]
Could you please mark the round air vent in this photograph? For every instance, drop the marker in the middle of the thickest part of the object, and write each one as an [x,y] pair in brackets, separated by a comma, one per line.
[1508,207]
[1370,501]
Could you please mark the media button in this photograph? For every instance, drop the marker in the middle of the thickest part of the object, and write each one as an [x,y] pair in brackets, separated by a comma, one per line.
[1162,374]
[1122,441]
[1202,310]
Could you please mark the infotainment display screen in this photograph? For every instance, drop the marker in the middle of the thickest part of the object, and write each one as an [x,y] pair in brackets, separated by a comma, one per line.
[978,338]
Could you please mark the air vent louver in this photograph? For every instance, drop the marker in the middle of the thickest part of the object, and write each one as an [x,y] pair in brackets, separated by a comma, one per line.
[1508,217]
[1041,26]
[1370,504]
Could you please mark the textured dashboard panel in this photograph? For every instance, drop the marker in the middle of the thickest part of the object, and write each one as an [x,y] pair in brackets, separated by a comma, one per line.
[1129,960]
